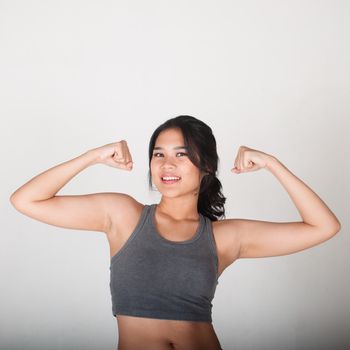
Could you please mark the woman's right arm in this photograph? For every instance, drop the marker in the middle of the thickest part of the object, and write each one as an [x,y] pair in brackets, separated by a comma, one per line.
[37,198]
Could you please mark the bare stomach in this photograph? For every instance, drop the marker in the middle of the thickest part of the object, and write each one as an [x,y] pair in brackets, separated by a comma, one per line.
[140,333]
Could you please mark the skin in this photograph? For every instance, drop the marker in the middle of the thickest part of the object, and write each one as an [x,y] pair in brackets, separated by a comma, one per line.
[117,214]
[235,238]
[176,212]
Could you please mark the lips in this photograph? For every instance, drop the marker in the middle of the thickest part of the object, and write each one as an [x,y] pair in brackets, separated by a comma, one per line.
[170,179]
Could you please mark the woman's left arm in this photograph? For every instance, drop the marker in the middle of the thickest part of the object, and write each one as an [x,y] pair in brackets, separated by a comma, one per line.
[262,238]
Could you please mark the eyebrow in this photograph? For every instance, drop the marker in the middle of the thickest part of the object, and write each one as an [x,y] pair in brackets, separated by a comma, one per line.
[178,147]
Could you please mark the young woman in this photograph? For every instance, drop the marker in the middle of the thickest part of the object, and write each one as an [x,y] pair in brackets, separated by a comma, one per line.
[166,258]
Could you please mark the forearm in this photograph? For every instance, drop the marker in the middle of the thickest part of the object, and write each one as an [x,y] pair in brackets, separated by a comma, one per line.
[47,184]
[310,206]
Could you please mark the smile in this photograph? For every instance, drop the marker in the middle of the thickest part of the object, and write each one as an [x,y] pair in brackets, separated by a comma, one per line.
[170,179]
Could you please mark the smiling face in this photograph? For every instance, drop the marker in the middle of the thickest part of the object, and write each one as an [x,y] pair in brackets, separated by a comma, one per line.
[172,171]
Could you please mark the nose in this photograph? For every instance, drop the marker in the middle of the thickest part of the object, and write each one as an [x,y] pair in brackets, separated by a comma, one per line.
[168,163]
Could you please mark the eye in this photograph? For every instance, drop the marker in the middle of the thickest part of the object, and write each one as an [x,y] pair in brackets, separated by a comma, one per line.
[182,153]
[156,154]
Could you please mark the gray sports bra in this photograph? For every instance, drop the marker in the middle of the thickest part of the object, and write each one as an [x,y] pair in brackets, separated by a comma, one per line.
[151,276]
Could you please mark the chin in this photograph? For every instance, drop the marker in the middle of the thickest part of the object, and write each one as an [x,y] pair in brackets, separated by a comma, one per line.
[173,192]
[169,193]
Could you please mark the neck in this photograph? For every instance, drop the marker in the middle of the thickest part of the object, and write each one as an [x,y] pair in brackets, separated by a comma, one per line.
[179,208]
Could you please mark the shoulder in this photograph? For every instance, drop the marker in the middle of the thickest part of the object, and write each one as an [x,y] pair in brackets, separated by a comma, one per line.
[122,208]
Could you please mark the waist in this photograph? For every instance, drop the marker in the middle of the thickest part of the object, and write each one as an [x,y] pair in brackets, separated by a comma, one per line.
[173,334]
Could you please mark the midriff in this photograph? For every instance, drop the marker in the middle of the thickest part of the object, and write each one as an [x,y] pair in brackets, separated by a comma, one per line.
[140,333]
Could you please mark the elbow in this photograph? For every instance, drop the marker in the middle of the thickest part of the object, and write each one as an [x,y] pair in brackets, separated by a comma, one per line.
[338,226]
[14,201]
[335,228]
[330,230]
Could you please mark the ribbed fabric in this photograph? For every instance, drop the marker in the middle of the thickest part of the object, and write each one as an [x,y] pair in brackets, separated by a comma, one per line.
[151,276]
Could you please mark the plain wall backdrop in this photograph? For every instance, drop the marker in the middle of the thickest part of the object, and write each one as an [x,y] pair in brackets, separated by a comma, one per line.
[271,75]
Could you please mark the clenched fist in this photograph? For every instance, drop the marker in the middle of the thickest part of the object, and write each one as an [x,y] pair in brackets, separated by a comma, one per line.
[248,159]
[115,154]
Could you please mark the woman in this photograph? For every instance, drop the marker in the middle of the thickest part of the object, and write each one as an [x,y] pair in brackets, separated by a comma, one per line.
[166,258]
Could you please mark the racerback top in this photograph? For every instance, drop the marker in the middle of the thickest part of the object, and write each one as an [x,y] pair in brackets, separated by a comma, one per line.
[151,276]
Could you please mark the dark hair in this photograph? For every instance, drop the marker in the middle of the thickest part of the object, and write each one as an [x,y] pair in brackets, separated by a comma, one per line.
[201,144]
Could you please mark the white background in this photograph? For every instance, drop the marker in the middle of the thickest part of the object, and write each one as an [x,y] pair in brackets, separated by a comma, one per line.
[271,75]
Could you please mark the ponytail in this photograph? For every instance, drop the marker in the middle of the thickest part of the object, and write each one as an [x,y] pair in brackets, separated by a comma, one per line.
[211,200]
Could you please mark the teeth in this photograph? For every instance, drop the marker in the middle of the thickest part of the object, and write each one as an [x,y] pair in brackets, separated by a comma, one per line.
[170,178]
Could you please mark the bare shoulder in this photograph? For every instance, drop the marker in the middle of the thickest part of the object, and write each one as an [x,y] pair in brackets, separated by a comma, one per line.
[123,210]
[227,241]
